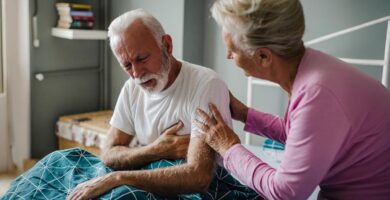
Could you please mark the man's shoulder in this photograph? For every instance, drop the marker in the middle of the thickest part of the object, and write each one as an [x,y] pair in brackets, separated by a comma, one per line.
[202,79]
[199,72]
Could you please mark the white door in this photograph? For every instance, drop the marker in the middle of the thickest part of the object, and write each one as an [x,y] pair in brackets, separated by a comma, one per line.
[4,140]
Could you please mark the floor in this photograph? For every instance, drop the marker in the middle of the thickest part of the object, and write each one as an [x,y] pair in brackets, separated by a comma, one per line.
[5,181]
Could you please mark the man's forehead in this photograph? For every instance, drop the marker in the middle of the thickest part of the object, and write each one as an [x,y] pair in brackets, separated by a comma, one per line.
[138,30]
[137,36]
[133,47]
[132,53]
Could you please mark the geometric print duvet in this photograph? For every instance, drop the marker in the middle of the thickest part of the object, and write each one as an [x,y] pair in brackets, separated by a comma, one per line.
[58,173]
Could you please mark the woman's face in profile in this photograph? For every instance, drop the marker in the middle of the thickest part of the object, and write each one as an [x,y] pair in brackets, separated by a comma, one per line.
[242,60]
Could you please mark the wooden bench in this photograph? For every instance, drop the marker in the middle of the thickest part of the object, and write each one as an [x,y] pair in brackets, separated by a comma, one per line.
[87,131]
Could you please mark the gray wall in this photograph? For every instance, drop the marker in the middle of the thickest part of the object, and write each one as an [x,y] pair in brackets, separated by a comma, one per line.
[194,15]
[196,38]
[367,43]
[60,93]
[68,93]
[322,17]
[202,43]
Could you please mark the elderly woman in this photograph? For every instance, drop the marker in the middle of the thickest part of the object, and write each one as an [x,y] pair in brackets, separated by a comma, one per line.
[336,128]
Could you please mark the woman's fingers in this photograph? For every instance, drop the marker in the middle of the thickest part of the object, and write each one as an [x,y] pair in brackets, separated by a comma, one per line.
[206,119]
[216,113]
[201,125]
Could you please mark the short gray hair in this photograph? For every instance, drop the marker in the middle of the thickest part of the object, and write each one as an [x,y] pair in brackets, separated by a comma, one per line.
[275,24]
[120,24]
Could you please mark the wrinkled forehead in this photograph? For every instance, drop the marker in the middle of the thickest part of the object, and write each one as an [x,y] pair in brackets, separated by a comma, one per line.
[135,40]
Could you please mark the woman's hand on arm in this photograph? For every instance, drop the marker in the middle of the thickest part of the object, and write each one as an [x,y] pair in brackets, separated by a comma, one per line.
[238,110]
[215,132]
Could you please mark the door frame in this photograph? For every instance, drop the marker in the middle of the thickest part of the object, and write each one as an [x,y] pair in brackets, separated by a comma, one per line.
[16,60]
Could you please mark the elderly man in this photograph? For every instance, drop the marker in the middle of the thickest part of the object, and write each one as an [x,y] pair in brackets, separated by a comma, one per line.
[162,92]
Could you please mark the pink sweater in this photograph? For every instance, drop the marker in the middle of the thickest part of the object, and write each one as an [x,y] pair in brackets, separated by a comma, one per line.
[337,135]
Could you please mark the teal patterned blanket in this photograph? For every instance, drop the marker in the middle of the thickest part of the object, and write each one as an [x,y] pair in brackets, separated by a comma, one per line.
[58,173]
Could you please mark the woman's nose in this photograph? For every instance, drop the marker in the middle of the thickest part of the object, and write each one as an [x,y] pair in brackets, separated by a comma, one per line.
[229,55]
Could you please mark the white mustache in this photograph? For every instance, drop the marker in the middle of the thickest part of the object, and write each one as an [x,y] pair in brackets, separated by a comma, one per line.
[146,78]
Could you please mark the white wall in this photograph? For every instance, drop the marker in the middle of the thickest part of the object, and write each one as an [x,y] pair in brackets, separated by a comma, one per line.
[16,61]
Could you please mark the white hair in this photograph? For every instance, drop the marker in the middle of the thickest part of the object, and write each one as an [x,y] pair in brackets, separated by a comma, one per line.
[275,24]
[120,24]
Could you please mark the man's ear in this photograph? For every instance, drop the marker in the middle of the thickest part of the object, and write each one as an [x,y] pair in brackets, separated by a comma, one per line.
[167,43]
[263,57]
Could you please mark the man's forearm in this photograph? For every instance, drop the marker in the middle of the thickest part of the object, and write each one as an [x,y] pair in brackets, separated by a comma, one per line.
[122,157]
[191,177]
[186,178]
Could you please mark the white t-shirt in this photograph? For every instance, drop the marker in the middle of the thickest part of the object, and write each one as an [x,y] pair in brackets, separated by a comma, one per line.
[146,115]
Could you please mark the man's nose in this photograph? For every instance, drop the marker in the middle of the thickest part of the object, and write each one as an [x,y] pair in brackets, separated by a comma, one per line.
[138,71]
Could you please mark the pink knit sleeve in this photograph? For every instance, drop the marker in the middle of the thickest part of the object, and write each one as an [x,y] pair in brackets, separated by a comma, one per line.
[318,128]
[264,124]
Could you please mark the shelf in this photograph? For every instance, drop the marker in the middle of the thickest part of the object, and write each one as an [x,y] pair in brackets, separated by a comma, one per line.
[77,34]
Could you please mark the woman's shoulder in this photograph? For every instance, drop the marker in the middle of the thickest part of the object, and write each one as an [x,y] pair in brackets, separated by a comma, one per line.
[318,69]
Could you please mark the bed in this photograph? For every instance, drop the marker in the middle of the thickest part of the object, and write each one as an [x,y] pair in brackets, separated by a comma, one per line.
[58,173]
[81,138]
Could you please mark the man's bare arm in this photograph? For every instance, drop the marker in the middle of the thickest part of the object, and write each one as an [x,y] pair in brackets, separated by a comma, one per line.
[118,155]
[193,176]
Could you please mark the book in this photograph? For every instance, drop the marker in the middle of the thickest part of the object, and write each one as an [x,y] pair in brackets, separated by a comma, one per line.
[84,13]
[75,16]
[75,6]
[75,24]
[69,18]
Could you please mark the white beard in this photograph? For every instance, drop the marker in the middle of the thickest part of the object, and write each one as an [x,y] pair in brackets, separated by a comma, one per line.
[161,77]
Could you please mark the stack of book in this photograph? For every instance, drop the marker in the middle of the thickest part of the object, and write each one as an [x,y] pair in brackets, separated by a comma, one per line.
[75,16]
